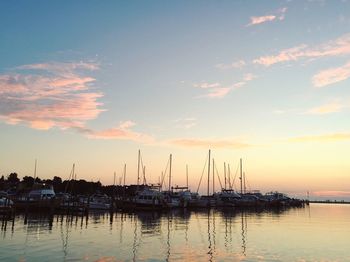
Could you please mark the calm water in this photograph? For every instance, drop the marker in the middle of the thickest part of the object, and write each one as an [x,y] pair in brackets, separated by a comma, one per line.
[317,233]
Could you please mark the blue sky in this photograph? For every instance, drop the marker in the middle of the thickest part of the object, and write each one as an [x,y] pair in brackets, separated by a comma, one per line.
[91,82]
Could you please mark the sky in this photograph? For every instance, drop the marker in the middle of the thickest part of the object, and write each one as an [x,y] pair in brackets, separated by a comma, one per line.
[92,82]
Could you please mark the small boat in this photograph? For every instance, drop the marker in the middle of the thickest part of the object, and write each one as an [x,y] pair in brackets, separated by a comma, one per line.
[177,197]
[42,196]
[148,198]
[227,198]
[6,204]
[276,199]
[99,202]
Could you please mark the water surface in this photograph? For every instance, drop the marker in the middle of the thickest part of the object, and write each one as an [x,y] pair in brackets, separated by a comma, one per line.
[320,232]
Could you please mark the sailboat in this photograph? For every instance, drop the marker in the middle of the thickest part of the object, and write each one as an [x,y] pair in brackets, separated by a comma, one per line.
[149,197]
[178,196]
[41,196]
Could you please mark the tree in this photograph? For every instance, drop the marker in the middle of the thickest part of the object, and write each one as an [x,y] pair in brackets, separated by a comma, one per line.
[13,178]
[28,181]
[57,180]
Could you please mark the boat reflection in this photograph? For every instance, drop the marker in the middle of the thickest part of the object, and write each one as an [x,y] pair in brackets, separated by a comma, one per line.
[179,234]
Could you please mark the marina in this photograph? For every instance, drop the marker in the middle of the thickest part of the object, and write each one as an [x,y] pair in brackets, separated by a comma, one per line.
[175,131]
[42,196]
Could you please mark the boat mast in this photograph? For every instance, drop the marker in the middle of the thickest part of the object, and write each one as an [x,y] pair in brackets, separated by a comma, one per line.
[208,173]
[225,173]
[35,170]
[245,190]
[213,177]
[241,175]
[144,175]
[138,169]
[124,174]
[187,176]
[171,157]
[229,176]
[244,187]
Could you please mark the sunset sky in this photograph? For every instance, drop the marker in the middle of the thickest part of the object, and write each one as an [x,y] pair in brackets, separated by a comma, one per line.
[91,82]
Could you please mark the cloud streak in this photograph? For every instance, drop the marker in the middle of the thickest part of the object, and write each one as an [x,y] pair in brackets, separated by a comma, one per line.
[235,65]
[322,138]
[207,143]
[216,90]
[332,75]
[122,132]
[185,123]
[278,15]
[325,109]
[337,47]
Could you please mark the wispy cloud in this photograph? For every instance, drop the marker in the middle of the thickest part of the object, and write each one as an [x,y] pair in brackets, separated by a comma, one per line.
[278,15]
[206,85]
[206,143]
[238,64]
[185,123]
[337,47]
[322,138]
[331,76]
[326,109]
[49,95]
[122,132]
[61,95]
[216,90]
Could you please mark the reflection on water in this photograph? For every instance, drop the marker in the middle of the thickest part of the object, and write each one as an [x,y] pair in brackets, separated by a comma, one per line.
[318,232]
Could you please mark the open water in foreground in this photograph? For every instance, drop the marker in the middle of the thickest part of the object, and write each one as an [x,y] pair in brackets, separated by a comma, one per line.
[320,232]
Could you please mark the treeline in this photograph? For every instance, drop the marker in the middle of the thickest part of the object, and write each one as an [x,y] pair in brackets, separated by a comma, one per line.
[13,185]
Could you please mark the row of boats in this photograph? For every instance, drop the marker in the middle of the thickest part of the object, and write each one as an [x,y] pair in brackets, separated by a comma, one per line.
[150,196]
[147,197]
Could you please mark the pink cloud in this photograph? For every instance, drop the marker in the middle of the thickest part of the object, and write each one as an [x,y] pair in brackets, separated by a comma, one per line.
[45,98]
[122,132]
[216,90]
[48,95]
[337,47]
[331,76]
[255,20]
[61,67]
[279,15]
